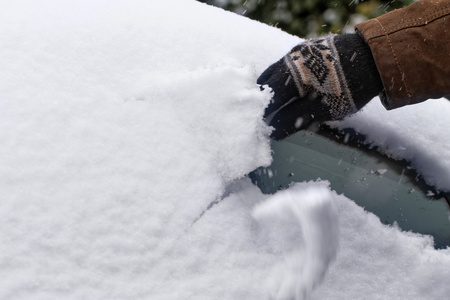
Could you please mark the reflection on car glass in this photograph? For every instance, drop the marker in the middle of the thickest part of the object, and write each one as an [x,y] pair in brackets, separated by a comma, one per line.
[391,189]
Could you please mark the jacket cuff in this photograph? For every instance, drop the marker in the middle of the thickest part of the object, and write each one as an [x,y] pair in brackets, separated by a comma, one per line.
[359,68]
[407,45]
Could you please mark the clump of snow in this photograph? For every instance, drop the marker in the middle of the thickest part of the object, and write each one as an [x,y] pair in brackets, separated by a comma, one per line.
[304,221]
[127,130]
[376,261]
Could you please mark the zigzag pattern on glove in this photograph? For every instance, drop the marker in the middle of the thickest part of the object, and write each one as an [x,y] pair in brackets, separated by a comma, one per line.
[315,67]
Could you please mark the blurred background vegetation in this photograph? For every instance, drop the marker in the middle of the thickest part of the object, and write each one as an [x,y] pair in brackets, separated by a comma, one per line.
[310,18]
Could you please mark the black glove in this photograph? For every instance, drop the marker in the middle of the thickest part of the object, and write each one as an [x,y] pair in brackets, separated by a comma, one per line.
[319,80]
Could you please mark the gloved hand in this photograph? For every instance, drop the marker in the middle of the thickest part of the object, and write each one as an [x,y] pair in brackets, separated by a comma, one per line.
[319,80]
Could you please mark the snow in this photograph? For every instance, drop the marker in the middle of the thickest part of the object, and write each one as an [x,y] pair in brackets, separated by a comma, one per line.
[415,133]
[311,227]
[127,131]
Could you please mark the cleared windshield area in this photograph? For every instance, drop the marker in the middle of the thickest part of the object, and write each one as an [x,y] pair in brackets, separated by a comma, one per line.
[390,189]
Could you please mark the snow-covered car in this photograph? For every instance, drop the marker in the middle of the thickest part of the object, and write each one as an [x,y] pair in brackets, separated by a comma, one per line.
[127,131]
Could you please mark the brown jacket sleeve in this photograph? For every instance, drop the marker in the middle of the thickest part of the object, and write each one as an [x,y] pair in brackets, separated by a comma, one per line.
[411,49]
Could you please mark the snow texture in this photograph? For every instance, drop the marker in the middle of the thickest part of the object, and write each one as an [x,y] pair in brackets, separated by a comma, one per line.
[415,133]
[127,130]
[305,216]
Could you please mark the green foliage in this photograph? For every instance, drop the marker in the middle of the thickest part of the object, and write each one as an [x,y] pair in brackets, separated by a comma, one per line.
[308,18]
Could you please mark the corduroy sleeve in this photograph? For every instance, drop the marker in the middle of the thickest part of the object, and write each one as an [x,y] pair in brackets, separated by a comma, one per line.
[411,49]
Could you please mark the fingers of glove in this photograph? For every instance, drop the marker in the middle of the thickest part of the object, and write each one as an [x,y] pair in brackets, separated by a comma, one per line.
[279,79]
[272,71]
[265,76]
[291,118]
[280,98]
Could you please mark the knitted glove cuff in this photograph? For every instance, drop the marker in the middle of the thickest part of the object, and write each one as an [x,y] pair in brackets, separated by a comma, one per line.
[358,65]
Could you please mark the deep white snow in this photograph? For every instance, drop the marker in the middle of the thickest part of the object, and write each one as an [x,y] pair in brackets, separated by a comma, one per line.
[127,130]
[416,133]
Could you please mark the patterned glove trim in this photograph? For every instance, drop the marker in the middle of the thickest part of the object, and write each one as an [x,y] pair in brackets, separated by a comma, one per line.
[315,67]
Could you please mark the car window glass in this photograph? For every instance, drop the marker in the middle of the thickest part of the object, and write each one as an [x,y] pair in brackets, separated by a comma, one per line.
[390,189]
